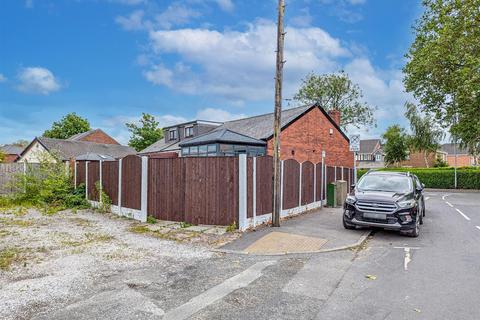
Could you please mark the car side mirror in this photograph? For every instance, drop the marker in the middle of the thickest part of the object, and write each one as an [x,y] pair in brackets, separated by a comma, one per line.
[352,187]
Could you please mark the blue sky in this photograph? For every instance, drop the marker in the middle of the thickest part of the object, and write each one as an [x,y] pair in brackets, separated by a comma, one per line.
[111,60]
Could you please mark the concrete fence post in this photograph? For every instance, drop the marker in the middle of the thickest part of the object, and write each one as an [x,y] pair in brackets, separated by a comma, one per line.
[86,180]
[335,176]
[342,173]
[144,194]
[300,186]
[120,186]
[100,165]
[254,192]
[242,191]
[324,182]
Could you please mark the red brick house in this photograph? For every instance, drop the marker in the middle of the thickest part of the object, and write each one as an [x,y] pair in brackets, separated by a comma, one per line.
[12,152]
[95,135]
[306,132]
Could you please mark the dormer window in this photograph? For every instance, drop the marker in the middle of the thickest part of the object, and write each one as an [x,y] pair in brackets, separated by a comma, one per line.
[172,134]
[188,132]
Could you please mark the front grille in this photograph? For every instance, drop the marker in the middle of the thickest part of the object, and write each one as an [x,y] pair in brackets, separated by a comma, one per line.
[377,207]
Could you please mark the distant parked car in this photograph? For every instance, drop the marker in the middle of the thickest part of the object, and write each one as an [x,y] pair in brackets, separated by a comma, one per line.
[388,200]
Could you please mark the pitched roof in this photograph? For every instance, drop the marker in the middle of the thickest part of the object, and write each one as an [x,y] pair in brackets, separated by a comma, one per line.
[80,136]
[67,149]
[261,126]
[449,148]
[222,135]
[158,146]
[368,146]
[12,149]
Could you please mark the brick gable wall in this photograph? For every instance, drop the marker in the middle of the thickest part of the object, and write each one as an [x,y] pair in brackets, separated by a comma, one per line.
[99,137]
[305,138]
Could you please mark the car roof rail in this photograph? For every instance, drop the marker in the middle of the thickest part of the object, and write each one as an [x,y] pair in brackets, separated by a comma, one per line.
[372,170]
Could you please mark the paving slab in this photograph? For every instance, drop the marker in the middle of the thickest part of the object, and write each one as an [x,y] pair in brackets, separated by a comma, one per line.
[282,242]
[200,228]
[323,227]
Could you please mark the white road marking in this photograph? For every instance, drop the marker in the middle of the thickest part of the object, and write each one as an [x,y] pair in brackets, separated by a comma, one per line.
[451,205]
[407,258]
[444,196]
[463,214]
[478,227]
[426,198]
[208,297]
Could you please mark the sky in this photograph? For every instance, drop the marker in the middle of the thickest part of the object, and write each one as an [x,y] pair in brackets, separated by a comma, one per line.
[111,60]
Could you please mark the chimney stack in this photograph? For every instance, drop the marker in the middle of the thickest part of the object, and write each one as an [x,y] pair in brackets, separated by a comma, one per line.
[335,115]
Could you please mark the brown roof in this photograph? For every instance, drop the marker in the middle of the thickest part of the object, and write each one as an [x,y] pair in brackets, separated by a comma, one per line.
[11,149]
[449,148]
[369,145]
[67,149]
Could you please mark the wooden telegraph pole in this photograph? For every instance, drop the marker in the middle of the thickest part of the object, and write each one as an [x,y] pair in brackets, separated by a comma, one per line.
[277,198]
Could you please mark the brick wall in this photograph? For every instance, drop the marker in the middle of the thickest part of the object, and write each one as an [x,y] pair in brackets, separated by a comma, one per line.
[99,137]
[463,160]
[305,139]
[10,158]
[417,160]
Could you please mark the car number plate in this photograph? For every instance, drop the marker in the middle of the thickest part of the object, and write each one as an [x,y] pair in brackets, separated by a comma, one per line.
[380,216]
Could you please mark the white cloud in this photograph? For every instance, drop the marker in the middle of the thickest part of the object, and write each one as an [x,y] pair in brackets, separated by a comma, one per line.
[37,80]
[2,78]
[129,2]
[175,14]
[220,115]
[240,64]
[29,4]
[226,5]
[133,22]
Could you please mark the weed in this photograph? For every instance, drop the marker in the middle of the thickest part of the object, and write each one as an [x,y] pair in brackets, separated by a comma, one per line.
[81,222]
[105,205]
[231,227]
[151,220]
[15,222]
[139,229]
[8,256]
[94,237]
[184,224]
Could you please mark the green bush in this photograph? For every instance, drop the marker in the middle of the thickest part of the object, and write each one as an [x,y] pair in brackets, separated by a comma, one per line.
[49,187]
[442,178]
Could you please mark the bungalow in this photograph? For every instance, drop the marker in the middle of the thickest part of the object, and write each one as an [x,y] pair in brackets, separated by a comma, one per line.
[67,150]
[307,131]
[12,152]
[464,158]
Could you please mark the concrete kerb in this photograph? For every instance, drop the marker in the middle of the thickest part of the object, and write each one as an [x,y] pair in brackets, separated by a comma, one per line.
[357,244]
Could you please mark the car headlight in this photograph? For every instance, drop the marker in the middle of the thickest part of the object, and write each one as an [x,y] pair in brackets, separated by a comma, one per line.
[350,199]
[406,204]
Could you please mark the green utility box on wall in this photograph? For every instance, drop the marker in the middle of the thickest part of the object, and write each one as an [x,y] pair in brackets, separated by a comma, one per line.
[331,195]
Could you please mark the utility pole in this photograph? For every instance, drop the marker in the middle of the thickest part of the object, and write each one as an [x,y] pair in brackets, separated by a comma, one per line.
[277,117]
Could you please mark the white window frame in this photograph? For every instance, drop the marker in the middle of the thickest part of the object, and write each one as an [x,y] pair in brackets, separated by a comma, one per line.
[185,131]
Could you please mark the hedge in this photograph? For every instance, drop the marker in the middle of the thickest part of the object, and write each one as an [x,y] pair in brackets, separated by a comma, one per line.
[442,178]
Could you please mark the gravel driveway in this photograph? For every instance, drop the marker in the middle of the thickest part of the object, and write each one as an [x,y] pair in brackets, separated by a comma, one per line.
[47,262]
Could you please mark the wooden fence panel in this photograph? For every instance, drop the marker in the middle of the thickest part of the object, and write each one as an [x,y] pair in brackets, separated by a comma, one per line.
[307,182]
[291,183]
[264,185]
[339,173]
[8,174]
[346,177]
[166,189]
[131,182]
[330,174]
[211,187]
[80,173]
[93,178]
[110,180]
[249,187]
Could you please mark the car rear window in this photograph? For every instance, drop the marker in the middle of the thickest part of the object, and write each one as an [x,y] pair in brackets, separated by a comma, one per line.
[389,183]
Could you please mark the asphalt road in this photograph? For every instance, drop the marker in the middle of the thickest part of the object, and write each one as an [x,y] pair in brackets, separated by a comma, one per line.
[434,276]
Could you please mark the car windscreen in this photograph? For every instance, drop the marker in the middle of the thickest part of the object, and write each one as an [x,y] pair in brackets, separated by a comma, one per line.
[389,183]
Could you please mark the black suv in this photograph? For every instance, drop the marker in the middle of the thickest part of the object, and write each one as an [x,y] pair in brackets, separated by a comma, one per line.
[388,200]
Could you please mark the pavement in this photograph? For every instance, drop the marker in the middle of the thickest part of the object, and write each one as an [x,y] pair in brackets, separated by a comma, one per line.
[434,276]
[314,232]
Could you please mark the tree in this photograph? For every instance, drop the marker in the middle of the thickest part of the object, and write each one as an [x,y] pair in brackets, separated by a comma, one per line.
[2,156]
[144,134]
[337,92]
[21,143]
[442,70]
[69,125]
[426,134]
[395,146]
